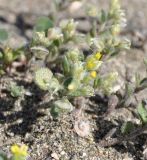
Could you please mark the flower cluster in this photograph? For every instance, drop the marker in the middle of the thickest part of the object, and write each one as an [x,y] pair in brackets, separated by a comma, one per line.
[18,153]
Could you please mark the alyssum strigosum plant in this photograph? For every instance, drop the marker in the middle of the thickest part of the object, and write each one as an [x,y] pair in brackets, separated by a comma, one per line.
[79,74]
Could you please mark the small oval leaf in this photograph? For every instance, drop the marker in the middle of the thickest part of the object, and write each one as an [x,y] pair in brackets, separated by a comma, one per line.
[142,111]
[3,35]
[43,24]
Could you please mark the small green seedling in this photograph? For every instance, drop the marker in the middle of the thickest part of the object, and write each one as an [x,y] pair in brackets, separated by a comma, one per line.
[15,90]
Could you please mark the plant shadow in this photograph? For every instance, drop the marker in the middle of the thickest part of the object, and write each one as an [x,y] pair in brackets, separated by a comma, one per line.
[20,119]
[134,147]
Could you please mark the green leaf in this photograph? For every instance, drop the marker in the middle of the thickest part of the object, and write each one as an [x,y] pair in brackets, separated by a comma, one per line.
[42,78]
[56,42]
[142,111]
[3,156]
[15,91]
[18,157]
[103,17]
[1,55]
[127,127]
[66,65]
[143,83]
[145,62]
[43,24]
[3,35]
[67,82]
[54,85]
[84,91]
[61,106]
[97,82]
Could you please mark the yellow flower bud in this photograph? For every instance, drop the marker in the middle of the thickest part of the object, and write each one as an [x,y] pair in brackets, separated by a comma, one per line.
[98,55]
[71,87]
[93,74]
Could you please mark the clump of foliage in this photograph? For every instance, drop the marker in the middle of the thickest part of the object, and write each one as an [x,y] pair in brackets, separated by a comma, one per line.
[136,126]
[131,91]
[17,153]
[79,74]
[15,90]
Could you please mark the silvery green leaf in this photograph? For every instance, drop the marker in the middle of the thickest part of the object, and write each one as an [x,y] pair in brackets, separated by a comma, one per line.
[127,127]
[97,82]
[74,55]
[39,51]
[1,55]
[61,106]
[103,16]
[142,111]
[55,34]
[54,85]
[3,35]
[77,70]
[39,48]
[143,83]
[125,44]
[83,91]
[145,62]
[43,77]
[43,24]
[15,90]
[66,65]
[39,38]
[3,156]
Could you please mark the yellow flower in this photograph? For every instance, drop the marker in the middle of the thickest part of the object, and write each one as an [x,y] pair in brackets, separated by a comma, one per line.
[19,151]
[93,74]
[98,55]
[91,63]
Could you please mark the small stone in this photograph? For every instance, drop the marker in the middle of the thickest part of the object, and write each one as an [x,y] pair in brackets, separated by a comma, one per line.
[82,128]
[75,6]
[55,156]
[84,154]
[63,153]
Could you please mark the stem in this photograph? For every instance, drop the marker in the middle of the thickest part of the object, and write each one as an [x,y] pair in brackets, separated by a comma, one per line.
[113,141]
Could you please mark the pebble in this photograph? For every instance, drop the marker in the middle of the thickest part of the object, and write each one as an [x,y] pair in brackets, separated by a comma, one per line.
[76,5]
[63,153]
[55,156]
